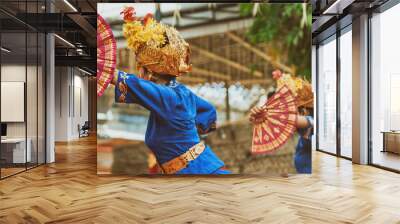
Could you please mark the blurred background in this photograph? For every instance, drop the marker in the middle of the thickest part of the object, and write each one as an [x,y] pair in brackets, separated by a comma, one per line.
[235,47]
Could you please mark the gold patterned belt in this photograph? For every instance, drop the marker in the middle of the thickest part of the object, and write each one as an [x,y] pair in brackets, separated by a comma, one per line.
[181,162]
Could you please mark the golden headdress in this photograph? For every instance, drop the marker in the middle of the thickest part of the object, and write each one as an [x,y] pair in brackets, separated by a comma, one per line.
[158,47]
[301,88]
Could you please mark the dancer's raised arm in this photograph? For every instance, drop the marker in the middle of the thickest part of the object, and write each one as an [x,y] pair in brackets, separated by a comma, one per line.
[131,89]
[206,116]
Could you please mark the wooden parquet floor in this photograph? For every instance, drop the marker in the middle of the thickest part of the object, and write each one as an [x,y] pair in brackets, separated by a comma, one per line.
[69,191]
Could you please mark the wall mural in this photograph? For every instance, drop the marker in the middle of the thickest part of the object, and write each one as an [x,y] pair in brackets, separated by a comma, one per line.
[193,88]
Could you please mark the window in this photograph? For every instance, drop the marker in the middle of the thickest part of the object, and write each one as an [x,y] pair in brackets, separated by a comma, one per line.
[22,75]
[385,89]
[346,93]
[327,96]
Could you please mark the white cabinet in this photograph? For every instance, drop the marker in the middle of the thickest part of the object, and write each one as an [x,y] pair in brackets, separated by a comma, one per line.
[17,147]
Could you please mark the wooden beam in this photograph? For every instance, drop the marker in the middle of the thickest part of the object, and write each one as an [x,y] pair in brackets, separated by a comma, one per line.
[203,72]
[246,82]
[188,79]
[263,55]
[226,61]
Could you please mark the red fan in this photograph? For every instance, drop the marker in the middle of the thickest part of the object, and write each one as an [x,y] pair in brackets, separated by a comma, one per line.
[276,124]
[106,55]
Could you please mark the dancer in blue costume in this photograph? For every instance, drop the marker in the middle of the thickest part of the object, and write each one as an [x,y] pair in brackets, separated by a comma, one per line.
[304,124]
[177,115]
[302,158]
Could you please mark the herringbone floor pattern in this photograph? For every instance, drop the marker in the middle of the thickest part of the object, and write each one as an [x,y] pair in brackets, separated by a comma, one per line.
[69,191]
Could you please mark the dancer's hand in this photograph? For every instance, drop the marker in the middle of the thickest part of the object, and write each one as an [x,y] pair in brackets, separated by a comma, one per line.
[115,78]
[302,122]
[254,112]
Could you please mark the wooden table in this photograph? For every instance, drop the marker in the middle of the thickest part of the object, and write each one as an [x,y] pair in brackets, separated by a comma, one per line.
[391,141]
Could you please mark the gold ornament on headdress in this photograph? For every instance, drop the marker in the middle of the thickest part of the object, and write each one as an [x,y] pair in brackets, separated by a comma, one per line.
[301,88]
[158,47]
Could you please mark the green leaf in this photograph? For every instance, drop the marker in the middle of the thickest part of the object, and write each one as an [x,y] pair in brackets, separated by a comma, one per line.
[280,26]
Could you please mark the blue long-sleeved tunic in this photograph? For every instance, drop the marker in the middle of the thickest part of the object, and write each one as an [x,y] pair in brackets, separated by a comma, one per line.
[176,115]
[302,158]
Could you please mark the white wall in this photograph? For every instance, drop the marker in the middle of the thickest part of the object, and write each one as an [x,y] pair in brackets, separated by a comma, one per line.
[12,73]
[80,108]
[71,94]
[61,103]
